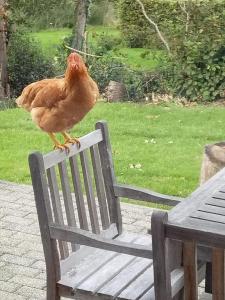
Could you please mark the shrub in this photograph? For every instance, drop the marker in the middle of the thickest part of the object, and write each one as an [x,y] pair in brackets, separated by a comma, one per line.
[195,31]
[26,62]
[106,68]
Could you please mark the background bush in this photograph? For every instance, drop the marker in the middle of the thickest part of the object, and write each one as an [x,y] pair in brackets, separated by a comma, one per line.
[26,62]
[195,31]
[107,67]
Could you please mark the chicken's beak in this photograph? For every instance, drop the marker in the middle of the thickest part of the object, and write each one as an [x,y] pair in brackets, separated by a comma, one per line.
[74,66]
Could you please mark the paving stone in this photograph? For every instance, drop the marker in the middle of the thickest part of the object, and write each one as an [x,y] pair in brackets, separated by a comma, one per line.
[8,286]
[28,281]
[22,236]
[40,264]
[5,233]
[18,260]
[41,274]
[5,275]
[21,270]
[31,246]
[35,255]
[10,296]
[32,293]
[18,220]
[10,249]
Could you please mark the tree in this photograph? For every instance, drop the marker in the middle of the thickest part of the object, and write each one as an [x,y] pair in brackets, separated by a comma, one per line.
[4,86]
[81,14]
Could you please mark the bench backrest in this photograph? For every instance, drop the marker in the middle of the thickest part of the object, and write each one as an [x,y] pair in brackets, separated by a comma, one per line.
[76,189]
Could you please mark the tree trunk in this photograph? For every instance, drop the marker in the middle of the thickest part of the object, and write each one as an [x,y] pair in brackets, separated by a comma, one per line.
[4,85]
[81,13]
[213,160]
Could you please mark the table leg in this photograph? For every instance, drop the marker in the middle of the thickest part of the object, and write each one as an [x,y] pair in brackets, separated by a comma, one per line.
[218,274]
[190,271]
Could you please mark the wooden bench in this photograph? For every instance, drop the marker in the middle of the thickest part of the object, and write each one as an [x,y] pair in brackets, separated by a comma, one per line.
[87,252]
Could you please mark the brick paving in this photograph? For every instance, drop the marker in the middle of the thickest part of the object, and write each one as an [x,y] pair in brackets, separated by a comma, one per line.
[22,267]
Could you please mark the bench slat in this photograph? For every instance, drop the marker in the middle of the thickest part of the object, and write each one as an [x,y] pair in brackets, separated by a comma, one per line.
[55,157]
[111,269]
[100,187]
[125,277]
[78,193]
[57,208]
[89,192]
[139,287]
[91,263]
[68,201]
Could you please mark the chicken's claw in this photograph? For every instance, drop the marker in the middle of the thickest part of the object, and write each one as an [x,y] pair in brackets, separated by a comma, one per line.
[62,147]
[73,141]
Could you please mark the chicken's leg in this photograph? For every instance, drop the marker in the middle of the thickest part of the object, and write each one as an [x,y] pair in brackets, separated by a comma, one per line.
[69,139]
[57,144]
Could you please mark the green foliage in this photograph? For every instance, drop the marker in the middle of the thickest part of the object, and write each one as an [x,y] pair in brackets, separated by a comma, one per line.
[138,32]
[43,14]
[26,62]
[195,31]
[107,67]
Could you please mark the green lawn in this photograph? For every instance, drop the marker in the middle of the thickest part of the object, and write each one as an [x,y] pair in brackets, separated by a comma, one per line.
[157,147]
[50,39]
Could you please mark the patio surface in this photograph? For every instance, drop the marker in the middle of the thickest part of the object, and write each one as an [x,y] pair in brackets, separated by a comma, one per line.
[22,267]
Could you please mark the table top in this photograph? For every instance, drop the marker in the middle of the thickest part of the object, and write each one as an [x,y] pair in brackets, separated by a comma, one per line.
[202,214]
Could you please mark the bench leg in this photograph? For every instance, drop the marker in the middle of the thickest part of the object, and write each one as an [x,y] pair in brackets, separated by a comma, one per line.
[52,291]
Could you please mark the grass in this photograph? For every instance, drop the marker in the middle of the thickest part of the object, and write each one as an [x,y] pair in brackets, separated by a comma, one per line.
[51,38]
[158,147]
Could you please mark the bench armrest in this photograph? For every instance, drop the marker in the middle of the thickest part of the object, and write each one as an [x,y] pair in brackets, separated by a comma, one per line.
[83,237]
[131,192]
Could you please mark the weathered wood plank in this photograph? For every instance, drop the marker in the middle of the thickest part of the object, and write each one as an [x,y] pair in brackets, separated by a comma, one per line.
[100,189]
[88,261]
[78,193]
[42,201]
[211,235]
[203,193]
[129,274]
[107,272]
[215,202]
[83,237]
[208,216]
[218,274]
[161,266]
[136,193]
[139,287]
[109,176]
[57,208]
[55,157]
[67,197]
[190,270]
[76,257]
[213,209]
[89,193]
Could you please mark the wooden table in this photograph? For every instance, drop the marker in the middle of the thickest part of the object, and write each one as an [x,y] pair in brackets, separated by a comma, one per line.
[200,220]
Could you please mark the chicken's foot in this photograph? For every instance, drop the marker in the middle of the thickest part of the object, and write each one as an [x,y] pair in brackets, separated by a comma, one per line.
[57,144]
[69,139]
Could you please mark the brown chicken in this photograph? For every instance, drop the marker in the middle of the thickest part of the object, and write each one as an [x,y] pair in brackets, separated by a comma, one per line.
[57,104]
